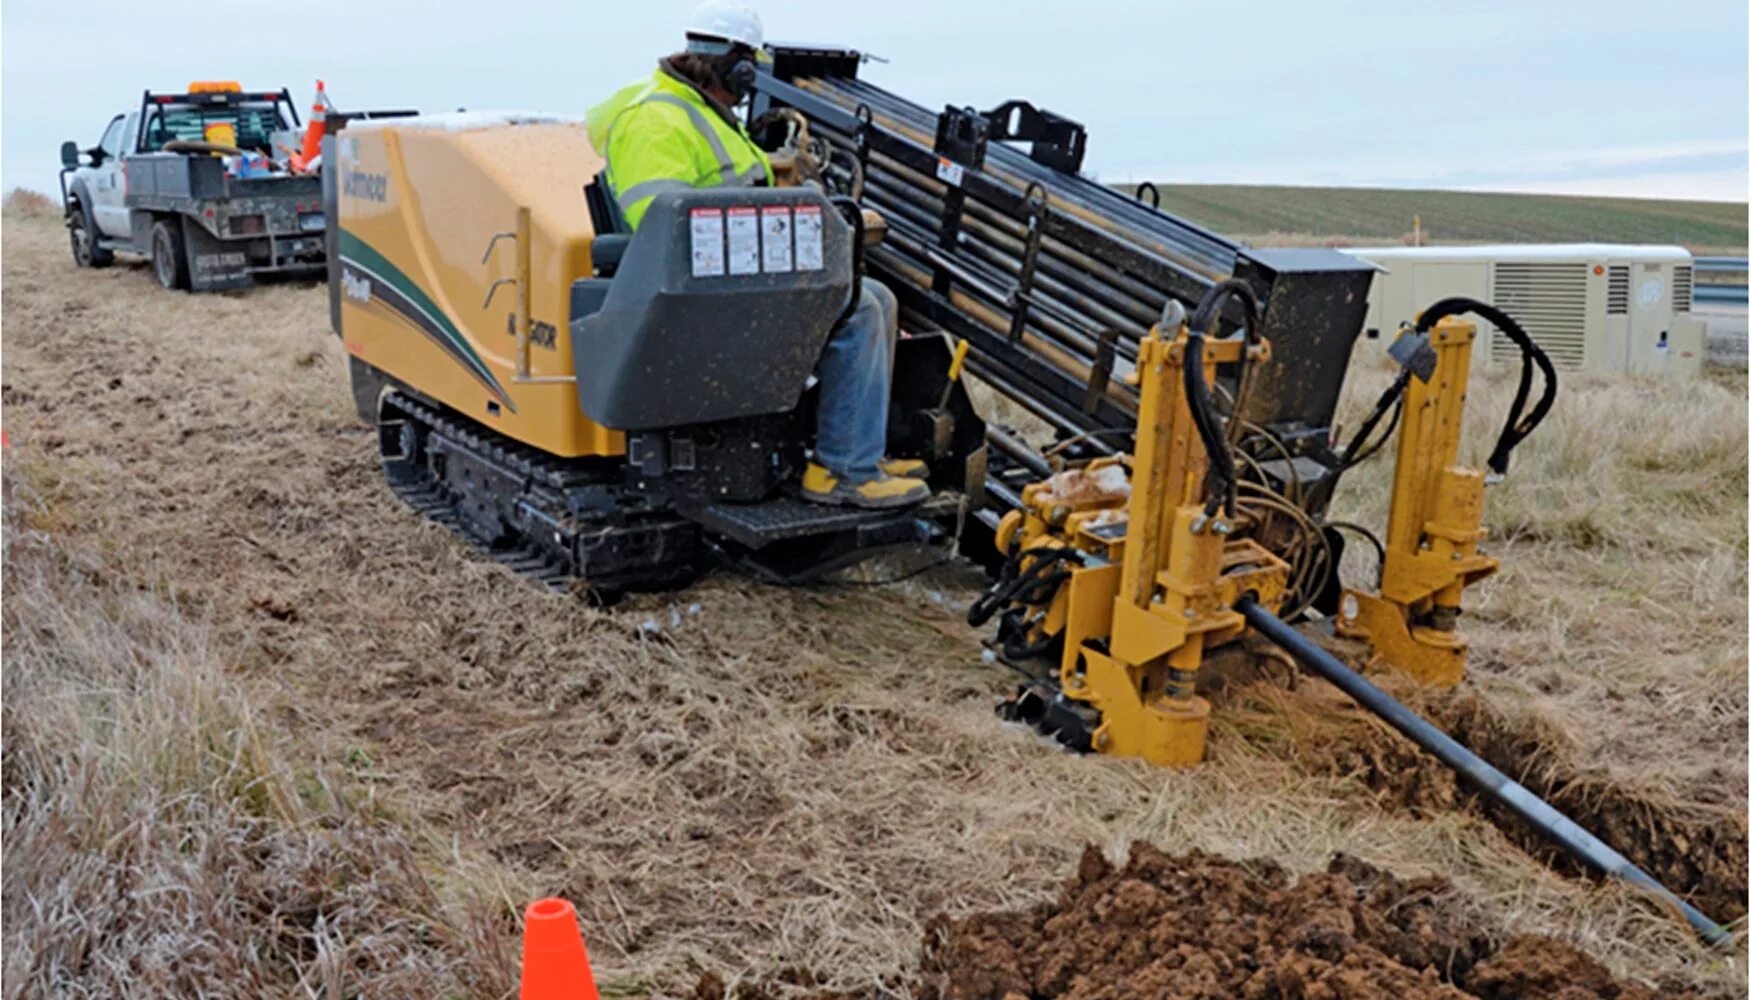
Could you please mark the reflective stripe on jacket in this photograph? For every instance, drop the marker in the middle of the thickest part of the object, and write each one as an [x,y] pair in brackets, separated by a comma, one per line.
[662,134]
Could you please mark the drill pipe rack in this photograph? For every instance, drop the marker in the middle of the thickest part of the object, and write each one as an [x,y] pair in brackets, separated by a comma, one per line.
[1053,278]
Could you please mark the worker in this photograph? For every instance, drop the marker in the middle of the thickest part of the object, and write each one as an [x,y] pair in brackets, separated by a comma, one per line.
[676,131]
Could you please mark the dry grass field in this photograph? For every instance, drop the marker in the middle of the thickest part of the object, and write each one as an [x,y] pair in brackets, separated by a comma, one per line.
[268,733]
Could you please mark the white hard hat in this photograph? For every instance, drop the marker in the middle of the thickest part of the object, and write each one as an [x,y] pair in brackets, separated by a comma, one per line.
[720,25]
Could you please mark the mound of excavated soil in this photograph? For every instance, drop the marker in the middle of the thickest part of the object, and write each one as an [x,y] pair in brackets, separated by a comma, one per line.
[1198,926]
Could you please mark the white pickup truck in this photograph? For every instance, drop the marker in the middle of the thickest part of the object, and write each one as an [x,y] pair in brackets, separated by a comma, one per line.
[193,182]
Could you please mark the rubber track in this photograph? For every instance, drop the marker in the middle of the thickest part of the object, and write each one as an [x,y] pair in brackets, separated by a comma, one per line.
[533,466]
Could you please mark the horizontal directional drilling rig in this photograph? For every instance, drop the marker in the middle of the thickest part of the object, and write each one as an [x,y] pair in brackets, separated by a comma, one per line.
[609,407]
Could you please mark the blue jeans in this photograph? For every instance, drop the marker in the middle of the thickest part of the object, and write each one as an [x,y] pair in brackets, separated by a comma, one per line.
[856,372]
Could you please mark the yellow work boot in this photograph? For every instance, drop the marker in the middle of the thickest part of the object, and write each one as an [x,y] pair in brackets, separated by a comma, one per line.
[880,493]
[906,468]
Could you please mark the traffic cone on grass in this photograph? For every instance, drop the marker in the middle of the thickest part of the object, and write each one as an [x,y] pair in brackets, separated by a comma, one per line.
[555,963]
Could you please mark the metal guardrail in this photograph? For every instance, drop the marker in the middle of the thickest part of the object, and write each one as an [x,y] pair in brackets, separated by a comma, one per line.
[1718,292]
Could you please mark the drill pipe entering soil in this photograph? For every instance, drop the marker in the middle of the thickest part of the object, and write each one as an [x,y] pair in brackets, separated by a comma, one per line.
[1511,795]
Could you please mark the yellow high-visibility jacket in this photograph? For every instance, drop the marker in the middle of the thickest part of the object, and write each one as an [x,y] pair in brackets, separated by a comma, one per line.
[662,134]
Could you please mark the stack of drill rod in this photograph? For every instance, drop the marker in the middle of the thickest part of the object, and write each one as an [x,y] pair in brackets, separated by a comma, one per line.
[1105,281]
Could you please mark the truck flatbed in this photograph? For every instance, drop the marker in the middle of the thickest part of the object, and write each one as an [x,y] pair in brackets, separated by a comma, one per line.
[192,182]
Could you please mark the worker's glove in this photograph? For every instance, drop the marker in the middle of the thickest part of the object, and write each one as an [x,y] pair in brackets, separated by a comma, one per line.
[874,227]
[784,168]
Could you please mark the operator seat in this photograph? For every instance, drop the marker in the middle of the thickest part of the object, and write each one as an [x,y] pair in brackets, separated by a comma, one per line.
[706,316]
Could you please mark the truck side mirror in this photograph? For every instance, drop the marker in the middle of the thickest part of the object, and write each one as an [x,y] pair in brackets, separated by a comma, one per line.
[69,154]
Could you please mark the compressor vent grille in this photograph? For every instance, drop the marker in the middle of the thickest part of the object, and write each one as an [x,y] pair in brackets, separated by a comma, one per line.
[1682,288]
[1616,301]
[1549,300]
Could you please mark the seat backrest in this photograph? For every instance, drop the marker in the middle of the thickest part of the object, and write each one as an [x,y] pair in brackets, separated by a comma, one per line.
[719,309]
[604,211]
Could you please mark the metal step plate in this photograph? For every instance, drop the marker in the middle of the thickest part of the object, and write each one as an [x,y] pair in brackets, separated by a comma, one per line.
[787,517]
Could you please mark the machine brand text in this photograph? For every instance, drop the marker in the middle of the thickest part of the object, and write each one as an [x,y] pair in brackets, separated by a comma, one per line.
[366,185]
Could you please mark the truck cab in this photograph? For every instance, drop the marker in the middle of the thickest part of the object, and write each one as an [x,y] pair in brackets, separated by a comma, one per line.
[202,184]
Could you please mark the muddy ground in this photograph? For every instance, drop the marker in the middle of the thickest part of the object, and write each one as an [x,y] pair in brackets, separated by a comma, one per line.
[733,779]
[1197,927]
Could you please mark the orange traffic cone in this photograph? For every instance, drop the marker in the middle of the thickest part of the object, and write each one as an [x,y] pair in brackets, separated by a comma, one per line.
[555,963]
[313,132]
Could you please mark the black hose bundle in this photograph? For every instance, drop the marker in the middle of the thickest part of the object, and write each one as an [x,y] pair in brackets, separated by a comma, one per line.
[1224,479]
[1391,400]
[1028,577]
[1519,423]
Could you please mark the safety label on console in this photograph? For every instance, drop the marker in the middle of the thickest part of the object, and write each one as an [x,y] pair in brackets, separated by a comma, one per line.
[775,238]
[808,234]
[707,234]
[744,240]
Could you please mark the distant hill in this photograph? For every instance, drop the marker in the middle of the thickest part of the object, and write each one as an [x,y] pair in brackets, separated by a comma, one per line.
[1286,215]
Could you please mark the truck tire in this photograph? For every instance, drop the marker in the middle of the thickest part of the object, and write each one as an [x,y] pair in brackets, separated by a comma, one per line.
[82,234]
[169,257]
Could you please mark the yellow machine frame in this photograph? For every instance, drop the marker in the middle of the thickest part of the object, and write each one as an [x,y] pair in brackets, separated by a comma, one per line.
[1156,583]
[432,295]
[1153,578]
[1434,529]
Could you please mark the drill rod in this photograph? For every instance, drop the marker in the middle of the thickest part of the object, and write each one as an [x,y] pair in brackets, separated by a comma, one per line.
[1516,798]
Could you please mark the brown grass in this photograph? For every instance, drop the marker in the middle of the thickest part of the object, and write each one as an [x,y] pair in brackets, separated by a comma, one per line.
[157,845]
[23,203]
[734,778]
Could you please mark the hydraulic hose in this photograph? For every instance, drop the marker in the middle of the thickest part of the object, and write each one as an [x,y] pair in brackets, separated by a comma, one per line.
[1391,401]
[1504,791]
[1359,449]
[1224,483]
[1519,423]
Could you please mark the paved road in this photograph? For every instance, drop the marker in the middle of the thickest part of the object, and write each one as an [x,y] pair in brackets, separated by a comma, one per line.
[1728,333]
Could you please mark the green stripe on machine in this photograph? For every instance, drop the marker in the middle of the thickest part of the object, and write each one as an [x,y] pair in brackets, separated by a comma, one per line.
[406,297]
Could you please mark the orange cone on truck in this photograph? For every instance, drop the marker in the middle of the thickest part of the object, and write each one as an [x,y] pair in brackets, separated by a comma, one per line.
[304,160]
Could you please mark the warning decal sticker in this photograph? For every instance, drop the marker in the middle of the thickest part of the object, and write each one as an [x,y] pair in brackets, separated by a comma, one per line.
[707,242]
[775,238]
[808,235]
[744,240]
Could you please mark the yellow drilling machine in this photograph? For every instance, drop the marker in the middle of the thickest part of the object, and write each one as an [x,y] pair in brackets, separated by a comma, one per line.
[608,411]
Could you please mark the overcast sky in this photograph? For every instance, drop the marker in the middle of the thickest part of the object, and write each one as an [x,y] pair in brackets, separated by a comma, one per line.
[1623,97]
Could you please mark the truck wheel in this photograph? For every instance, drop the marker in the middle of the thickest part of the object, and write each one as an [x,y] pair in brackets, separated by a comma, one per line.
[169,259]
[82,234]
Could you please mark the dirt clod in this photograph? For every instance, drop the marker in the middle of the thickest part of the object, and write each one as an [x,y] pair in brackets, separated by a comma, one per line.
[1538,968]
[1200,926]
